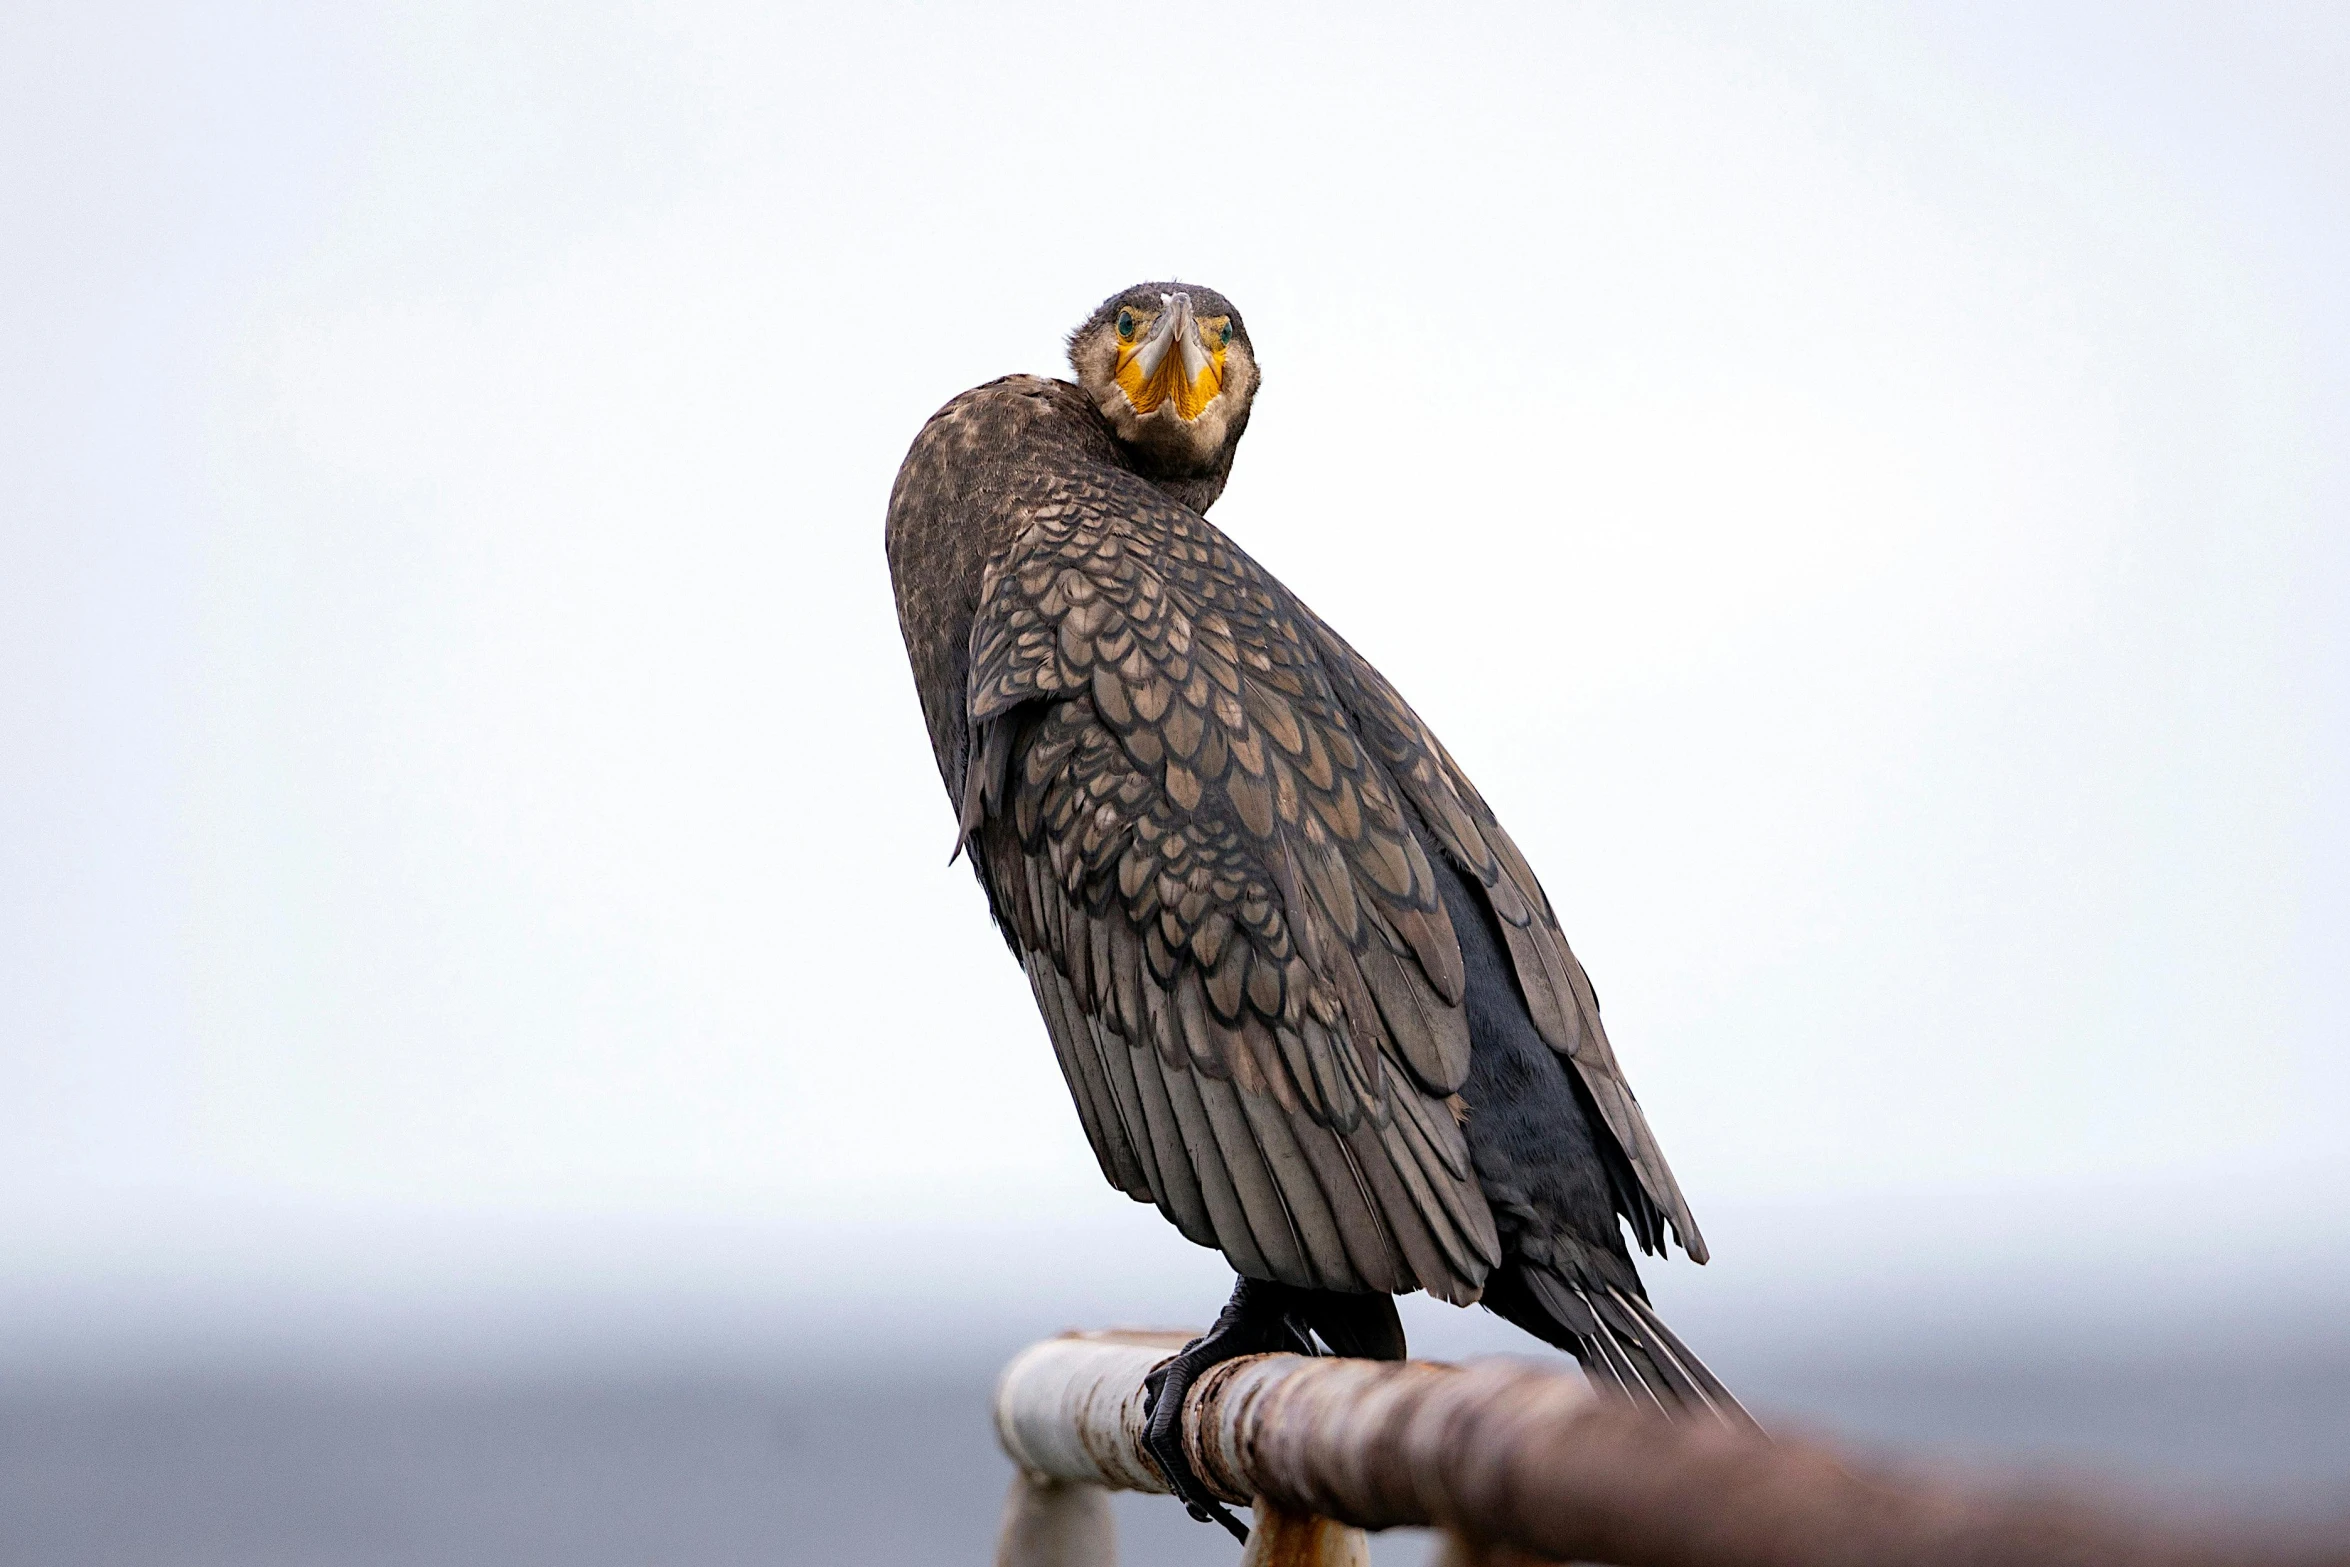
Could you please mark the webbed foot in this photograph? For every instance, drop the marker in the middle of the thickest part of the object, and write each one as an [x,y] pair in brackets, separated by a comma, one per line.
[1257,1320]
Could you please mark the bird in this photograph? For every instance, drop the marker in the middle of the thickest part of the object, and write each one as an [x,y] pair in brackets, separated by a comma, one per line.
[1307,995]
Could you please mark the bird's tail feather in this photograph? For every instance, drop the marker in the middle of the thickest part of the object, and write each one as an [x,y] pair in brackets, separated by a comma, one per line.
[1622,1341]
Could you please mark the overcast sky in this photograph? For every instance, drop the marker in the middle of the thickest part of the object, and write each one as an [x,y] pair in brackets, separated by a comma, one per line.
[1861,489]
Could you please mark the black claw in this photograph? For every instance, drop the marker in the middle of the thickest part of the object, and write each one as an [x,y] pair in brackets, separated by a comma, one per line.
[1217,1512]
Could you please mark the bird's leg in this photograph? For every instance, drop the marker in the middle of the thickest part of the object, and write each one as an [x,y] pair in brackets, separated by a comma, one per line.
[1365,1327]
[1259,1319]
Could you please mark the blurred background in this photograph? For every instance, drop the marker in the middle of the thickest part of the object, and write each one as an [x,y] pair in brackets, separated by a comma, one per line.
[1862,488]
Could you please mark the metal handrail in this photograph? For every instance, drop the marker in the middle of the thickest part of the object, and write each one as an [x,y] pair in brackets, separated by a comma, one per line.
[1524,1464]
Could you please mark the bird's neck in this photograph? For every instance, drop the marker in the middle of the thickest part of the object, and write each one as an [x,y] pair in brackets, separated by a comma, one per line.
[1195,483]
[1197,491]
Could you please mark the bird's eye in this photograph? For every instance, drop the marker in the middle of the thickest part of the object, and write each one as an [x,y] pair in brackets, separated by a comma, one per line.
[1126,323]
[1225,336]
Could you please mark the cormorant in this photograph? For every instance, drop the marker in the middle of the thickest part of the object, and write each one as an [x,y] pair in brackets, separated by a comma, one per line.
[1308,996]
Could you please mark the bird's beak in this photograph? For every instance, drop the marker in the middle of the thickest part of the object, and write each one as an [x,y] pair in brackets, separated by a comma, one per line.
[1172,363]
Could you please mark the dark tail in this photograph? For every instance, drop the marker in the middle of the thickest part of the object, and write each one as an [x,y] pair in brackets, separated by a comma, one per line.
[1620,1340]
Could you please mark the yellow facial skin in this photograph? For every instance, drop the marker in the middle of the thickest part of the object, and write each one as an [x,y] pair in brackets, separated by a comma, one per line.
[1179,361]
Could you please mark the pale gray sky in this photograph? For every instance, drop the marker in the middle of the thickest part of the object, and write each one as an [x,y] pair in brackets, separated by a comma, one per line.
[1861,488]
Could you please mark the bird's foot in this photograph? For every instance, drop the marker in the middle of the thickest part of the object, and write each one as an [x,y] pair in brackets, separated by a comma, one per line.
[1163,1440]
[1257,1320]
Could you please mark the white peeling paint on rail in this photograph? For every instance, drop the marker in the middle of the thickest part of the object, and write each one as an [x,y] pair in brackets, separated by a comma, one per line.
[1071,1408]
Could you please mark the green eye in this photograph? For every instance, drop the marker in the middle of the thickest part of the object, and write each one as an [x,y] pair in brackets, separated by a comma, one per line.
[1225,336]
[1125,323]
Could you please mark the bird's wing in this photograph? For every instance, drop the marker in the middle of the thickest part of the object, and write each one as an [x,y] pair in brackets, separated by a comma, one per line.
[1558,993]
[1234,937]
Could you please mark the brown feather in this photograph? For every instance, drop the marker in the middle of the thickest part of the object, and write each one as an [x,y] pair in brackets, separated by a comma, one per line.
[1431,1036]
[1407,1221]
[1180,1195]
[1228,1217]
[1081,1067]
[1261,1193]
[1117,1061]
[1319,1228]
[1370,1247]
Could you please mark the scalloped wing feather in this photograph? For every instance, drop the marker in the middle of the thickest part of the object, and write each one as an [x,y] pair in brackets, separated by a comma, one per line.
[1234,936]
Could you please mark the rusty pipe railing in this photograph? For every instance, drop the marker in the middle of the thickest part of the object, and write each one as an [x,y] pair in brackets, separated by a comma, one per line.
[1522,1464]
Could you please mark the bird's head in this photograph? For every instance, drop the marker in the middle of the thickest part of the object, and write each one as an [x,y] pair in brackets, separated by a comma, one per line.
[1169,365]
